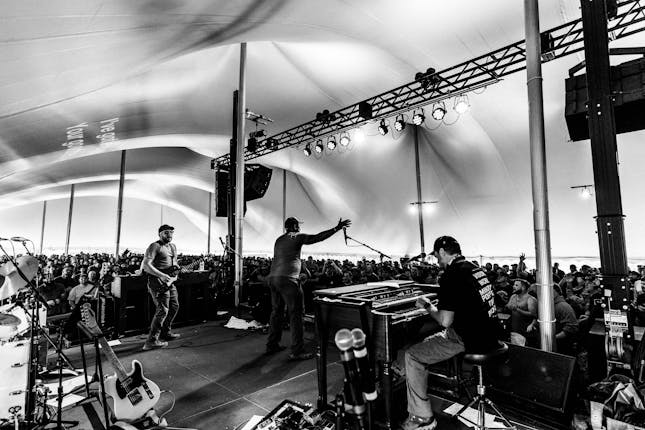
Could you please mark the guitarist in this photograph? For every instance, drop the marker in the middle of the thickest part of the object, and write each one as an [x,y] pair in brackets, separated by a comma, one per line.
[160,258]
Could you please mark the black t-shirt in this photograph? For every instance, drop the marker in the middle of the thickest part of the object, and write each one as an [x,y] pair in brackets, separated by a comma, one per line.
[465,290]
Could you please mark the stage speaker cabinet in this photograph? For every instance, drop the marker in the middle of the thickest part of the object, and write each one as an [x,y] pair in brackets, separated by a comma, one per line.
[535,382]
[256,181]
[221,191]
[628,94]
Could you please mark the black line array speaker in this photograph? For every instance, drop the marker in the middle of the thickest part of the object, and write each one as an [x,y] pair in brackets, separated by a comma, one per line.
[221,184]
[534,381]
[628,95]
[256,183]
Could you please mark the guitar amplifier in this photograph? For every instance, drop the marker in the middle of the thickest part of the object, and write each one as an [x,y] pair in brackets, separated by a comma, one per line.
[135,309]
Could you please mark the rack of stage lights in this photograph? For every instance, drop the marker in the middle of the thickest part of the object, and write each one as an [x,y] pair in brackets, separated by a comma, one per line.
[431,87]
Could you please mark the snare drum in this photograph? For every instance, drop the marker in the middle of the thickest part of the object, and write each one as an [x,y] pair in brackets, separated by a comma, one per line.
[14,365]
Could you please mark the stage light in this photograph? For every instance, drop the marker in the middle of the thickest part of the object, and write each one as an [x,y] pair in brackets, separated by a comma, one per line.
[382,128]
[319,146]
[439,111]
[252,145]
[359,135]
[270,143]
[399,124]
[461,104]
[585,190]
[307,150]
[585,193]
[344,139]
[331,143]
[418,118]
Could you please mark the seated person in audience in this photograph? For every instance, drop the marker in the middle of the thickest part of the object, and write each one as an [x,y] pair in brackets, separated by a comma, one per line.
[523,309]
[93,277]
[66,279]
[466,314]
[55,295]
[84,288]
[566,325]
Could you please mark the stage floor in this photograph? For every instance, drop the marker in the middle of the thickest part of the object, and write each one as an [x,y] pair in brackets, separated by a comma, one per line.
[221,377]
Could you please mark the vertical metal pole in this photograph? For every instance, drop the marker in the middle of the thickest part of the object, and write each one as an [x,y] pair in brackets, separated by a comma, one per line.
[239,171]
[210,221]
[284,197]
[604,149]
[119,210]
[69,218]
[419,196]
[42,227]
[546,316]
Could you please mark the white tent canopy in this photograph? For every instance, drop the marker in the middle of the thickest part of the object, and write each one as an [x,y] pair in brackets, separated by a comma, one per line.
[167,70]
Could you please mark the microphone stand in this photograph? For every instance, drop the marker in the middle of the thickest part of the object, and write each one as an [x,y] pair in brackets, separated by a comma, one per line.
[22,242]
[380,254]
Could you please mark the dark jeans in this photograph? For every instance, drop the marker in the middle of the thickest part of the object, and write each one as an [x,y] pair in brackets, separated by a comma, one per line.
[286,291]
[167,306]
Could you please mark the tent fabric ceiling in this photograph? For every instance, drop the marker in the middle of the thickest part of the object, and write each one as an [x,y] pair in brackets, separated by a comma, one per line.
[162,73]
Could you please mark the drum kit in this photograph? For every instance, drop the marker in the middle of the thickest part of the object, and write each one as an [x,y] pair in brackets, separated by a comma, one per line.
[16,315]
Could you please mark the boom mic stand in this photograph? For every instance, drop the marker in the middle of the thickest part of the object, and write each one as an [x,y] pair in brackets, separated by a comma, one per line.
[380,254]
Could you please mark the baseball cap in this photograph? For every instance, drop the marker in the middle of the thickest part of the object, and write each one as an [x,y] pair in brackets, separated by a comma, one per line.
[444,242]
[291,221]
[166,227]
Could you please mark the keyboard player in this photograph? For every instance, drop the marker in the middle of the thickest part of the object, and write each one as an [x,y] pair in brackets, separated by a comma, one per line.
[465,310]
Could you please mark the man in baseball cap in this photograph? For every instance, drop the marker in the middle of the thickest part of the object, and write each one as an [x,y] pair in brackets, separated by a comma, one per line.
[284,281]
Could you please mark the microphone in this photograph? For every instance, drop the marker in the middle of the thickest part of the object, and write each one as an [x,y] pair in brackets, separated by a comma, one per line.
[367,377]
[19,239]
[5,238]
[345,234]
[222,242]
[344,343]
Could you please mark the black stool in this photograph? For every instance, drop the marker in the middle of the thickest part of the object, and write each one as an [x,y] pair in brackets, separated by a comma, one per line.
[479,360]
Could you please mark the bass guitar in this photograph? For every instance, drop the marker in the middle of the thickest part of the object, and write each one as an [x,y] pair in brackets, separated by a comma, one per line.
[133,394]
[159,284]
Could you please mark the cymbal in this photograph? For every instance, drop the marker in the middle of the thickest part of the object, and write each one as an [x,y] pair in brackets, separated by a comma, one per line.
[8,319]
[10,279]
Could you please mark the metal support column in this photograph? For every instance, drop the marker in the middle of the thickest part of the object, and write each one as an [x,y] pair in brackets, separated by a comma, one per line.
[119,210]
[210,222]
[239,172]
[419,196]
[42,227]
[546,315]
[69,218]
[619,327]
[284,198]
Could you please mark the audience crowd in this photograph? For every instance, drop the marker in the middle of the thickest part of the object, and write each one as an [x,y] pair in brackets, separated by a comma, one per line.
[64,279]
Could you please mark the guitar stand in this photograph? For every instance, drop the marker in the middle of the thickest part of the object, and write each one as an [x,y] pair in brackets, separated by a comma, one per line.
[98,370]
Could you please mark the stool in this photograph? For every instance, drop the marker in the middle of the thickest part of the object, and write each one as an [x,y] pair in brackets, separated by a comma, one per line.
[479,360]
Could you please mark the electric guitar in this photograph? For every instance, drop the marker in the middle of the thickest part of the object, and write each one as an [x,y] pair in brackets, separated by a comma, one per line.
[173,272]
[133,394]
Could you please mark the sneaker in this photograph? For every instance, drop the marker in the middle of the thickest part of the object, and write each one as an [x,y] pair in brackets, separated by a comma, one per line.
[170,336]
[274,349]
[414,422]
[154,345]
[301,356]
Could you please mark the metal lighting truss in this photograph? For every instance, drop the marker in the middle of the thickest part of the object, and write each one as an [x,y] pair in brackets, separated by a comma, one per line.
[464,77]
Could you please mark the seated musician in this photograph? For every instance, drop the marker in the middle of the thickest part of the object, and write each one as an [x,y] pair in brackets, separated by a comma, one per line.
[84,288]
[465,311]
